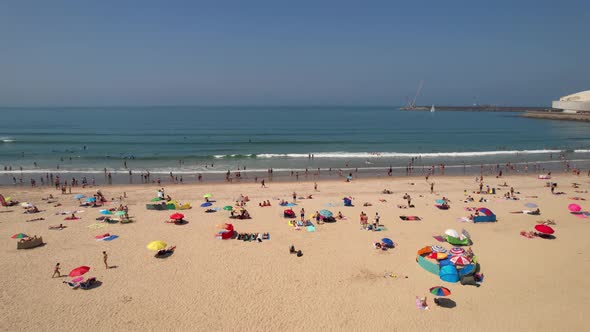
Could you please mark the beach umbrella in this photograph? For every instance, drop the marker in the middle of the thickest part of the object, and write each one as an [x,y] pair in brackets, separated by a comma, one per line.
[452,232]
[105,212]
[531,205]
[440,291]
[79,196]
[326,213]
[80,270]
[440,201]
[19,236]
[574,208]
[207,196]
[206,204]
[387,241]
[349,177]
[438,255]
[26,204]
[456,251]
[156,245]
[437,248]
[544,229]
[120,213]
[228,208]
[176,216]
[460,260]
[91,199]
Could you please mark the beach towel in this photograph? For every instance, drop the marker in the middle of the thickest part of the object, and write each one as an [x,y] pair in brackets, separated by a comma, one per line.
[110,238]
[439,238]
[410,218]
[102,236]
[310,228]
[464,219]
[97,225]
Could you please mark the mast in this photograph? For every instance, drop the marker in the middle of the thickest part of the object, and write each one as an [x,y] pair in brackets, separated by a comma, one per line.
[417,93]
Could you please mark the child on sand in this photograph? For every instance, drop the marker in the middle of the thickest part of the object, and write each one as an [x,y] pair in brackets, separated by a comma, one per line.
[56,271]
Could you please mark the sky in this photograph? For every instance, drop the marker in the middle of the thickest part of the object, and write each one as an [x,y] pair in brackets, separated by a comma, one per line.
[279,52]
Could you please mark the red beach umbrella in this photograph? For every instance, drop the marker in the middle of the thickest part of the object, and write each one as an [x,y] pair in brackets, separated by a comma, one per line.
[544,229]
[176,216]
[80,270]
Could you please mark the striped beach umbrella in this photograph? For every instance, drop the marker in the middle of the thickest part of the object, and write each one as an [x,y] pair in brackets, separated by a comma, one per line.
[440,291]
[19,236]
[457,251]
[460,260]
[437,248]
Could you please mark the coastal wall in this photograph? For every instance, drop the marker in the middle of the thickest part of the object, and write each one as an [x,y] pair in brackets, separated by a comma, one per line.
[482,108]
[557,116]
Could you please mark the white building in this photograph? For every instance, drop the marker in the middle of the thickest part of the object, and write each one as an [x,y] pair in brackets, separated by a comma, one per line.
[574,103]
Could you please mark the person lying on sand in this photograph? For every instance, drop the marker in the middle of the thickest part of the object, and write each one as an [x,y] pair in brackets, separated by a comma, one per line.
[387,192]
[529,235]
[339,216]
[547,222]
[367,204]
[36,219]
[32,209]
[60,226]
[166,251]
[533,212]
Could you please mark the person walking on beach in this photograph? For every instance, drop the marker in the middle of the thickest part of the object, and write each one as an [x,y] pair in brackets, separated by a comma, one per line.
[263,185]
[302,214]
[376,224]
[431,188]
[105,258]
[56,271]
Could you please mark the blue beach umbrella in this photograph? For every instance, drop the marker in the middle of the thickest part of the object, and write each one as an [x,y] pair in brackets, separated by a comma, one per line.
[105,212]
[206,204]
[91,199]
[440,201]
[387,241]
[326,213]
[79,196]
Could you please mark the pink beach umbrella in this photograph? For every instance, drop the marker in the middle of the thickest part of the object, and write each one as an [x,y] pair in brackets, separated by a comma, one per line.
[574,208]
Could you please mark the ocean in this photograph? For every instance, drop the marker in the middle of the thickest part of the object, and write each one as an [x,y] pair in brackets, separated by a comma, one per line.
[213,140]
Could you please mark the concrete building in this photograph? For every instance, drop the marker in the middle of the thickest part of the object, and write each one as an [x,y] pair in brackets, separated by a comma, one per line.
[574,103]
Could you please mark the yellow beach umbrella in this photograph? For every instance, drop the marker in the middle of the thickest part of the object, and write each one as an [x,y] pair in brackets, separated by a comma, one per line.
[156,245]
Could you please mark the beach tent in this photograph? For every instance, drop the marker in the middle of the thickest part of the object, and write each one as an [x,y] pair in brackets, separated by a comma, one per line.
[467,270]
[347,201]
[428,265]
[457,241]
[486,215]
[449,273]
[288,213]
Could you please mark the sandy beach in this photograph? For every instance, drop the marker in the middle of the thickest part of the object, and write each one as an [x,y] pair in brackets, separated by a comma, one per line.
[340,283]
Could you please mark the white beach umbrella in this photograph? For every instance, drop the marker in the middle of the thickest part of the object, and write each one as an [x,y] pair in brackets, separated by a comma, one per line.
[452,232]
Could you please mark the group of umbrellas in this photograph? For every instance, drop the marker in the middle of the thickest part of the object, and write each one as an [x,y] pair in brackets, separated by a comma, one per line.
[457,254]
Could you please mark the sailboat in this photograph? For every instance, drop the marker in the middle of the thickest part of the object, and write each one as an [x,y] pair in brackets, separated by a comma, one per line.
[432,109]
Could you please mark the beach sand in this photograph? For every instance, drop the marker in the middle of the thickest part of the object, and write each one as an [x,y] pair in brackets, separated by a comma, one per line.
[338,284]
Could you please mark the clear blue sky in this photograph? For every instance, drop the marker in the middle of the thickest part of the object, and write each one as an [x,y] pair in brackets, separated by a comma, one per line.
[276,52]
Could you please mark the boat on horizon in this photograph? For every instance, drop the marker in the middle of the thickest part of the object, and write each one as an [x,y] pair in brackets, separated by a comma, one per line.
[432,109]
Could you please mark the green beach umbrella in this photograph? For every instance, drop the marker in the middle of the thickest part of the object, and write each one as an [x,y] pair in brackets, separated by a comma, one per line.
[207,196]
[120,213]
[228,208]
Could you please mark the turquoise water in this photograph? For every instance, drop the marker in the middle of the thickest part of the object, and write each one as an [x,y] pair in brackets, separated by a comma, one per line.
[158,138]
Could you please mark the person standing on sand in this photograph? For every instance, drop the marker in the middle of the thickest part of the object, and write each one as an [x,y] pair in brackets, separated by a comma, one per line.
[431,188]
[294,197]
[315,186]
[263,185]
[56,271]
[105,258]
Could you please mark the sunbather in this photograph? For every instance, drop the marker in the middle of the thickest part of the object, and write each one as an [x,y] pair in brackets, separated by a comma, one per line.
[166,251]
[60,226]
